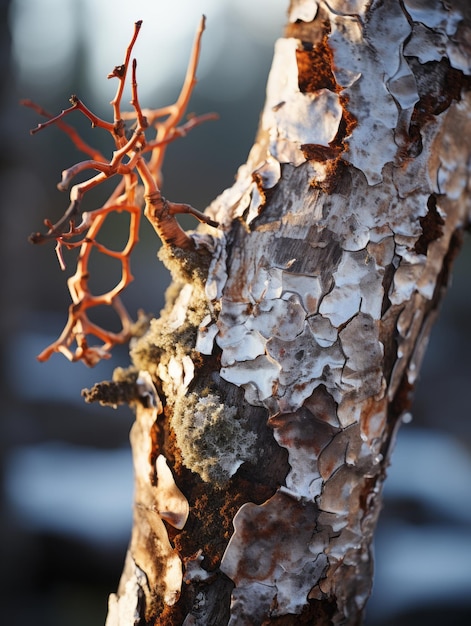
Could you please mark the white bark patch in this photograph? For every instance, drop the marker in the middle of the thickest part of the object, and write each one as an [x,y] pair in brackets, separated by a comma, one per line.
[125,609]
[439,31]
[171,504]
[154,501]
[287,571]
[345,299]
[269,172]
[349,7]
[426,44]
[357,55]
[278,328]
[217,273]
[239,343]
[432,13]
[403,87]
[274,335]
[308,288]
[305,365]
[305,438]
[179,372]
[452,153]
[250,604]
[303,10]
[193,570]
[207,331]
[363,367]
[293,118]
[178,316]
[239,197]
[258,377]
[324,332]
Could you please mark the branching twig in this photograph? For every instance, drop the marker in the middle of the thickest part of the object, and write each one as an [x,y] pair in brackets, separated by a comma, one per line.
[120,72]
[77,105]
[128,163]
[79,143]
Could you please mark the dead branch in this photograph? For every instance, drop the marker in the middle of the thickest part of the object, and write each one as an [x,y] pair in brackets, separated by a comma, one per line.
[134,158]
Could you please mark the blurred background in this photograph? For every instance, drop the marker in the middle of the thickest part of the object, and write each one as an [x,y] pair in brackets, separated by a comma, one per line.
[66,466]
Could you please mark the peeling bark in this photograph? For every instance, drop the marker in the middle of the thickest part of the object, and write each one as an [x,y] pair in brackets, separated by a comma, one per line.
[270,391]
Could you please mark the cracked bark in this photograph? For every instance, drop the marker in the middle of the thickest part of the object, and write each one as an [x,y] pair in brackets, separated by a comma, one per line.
[268,394]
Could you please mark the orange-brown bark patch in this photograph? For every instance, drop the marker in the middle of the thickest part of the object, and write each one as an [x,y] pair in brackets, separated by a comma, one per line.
[172,615]
[209,526]
[315,65]
[333,178]
[317,152]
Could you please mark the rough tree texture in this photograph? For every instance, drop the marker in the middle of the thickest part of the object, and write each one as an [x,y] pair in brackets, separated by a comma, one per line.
[269,392]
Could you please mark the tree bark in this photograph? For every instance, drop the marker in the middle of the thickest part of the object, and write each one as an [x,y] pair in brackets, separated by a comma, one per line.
[269,392]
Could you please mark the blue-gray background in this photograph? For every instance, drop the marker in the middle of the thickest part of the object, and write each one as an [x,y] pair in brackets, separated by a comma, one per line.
[65,466]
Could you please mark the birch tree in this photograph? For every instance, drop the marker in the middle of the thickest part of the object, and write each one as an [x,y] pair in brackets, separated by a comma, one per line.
[268,393]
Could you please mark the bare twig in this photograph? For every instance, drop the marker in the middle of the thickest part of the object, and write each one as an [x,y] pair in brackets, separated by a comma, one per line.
[128,163]
[79,143]
[120,72]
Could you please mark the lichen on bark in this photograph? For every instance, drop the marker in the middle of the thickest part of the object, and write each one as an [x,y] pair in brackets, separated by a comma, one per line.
[212,440]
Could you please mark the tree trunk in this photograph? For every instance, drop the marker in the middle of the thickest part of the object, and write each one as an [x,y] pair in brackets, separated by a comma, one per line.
[269,392]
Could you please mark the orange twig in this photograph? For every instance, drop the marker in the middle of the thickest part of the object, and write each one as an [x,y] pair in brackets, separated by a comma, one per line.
[79,143]
[181,131]
[120,72]
[75,230]
[141,119]
[176,111]
[77,105]
[79,326]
